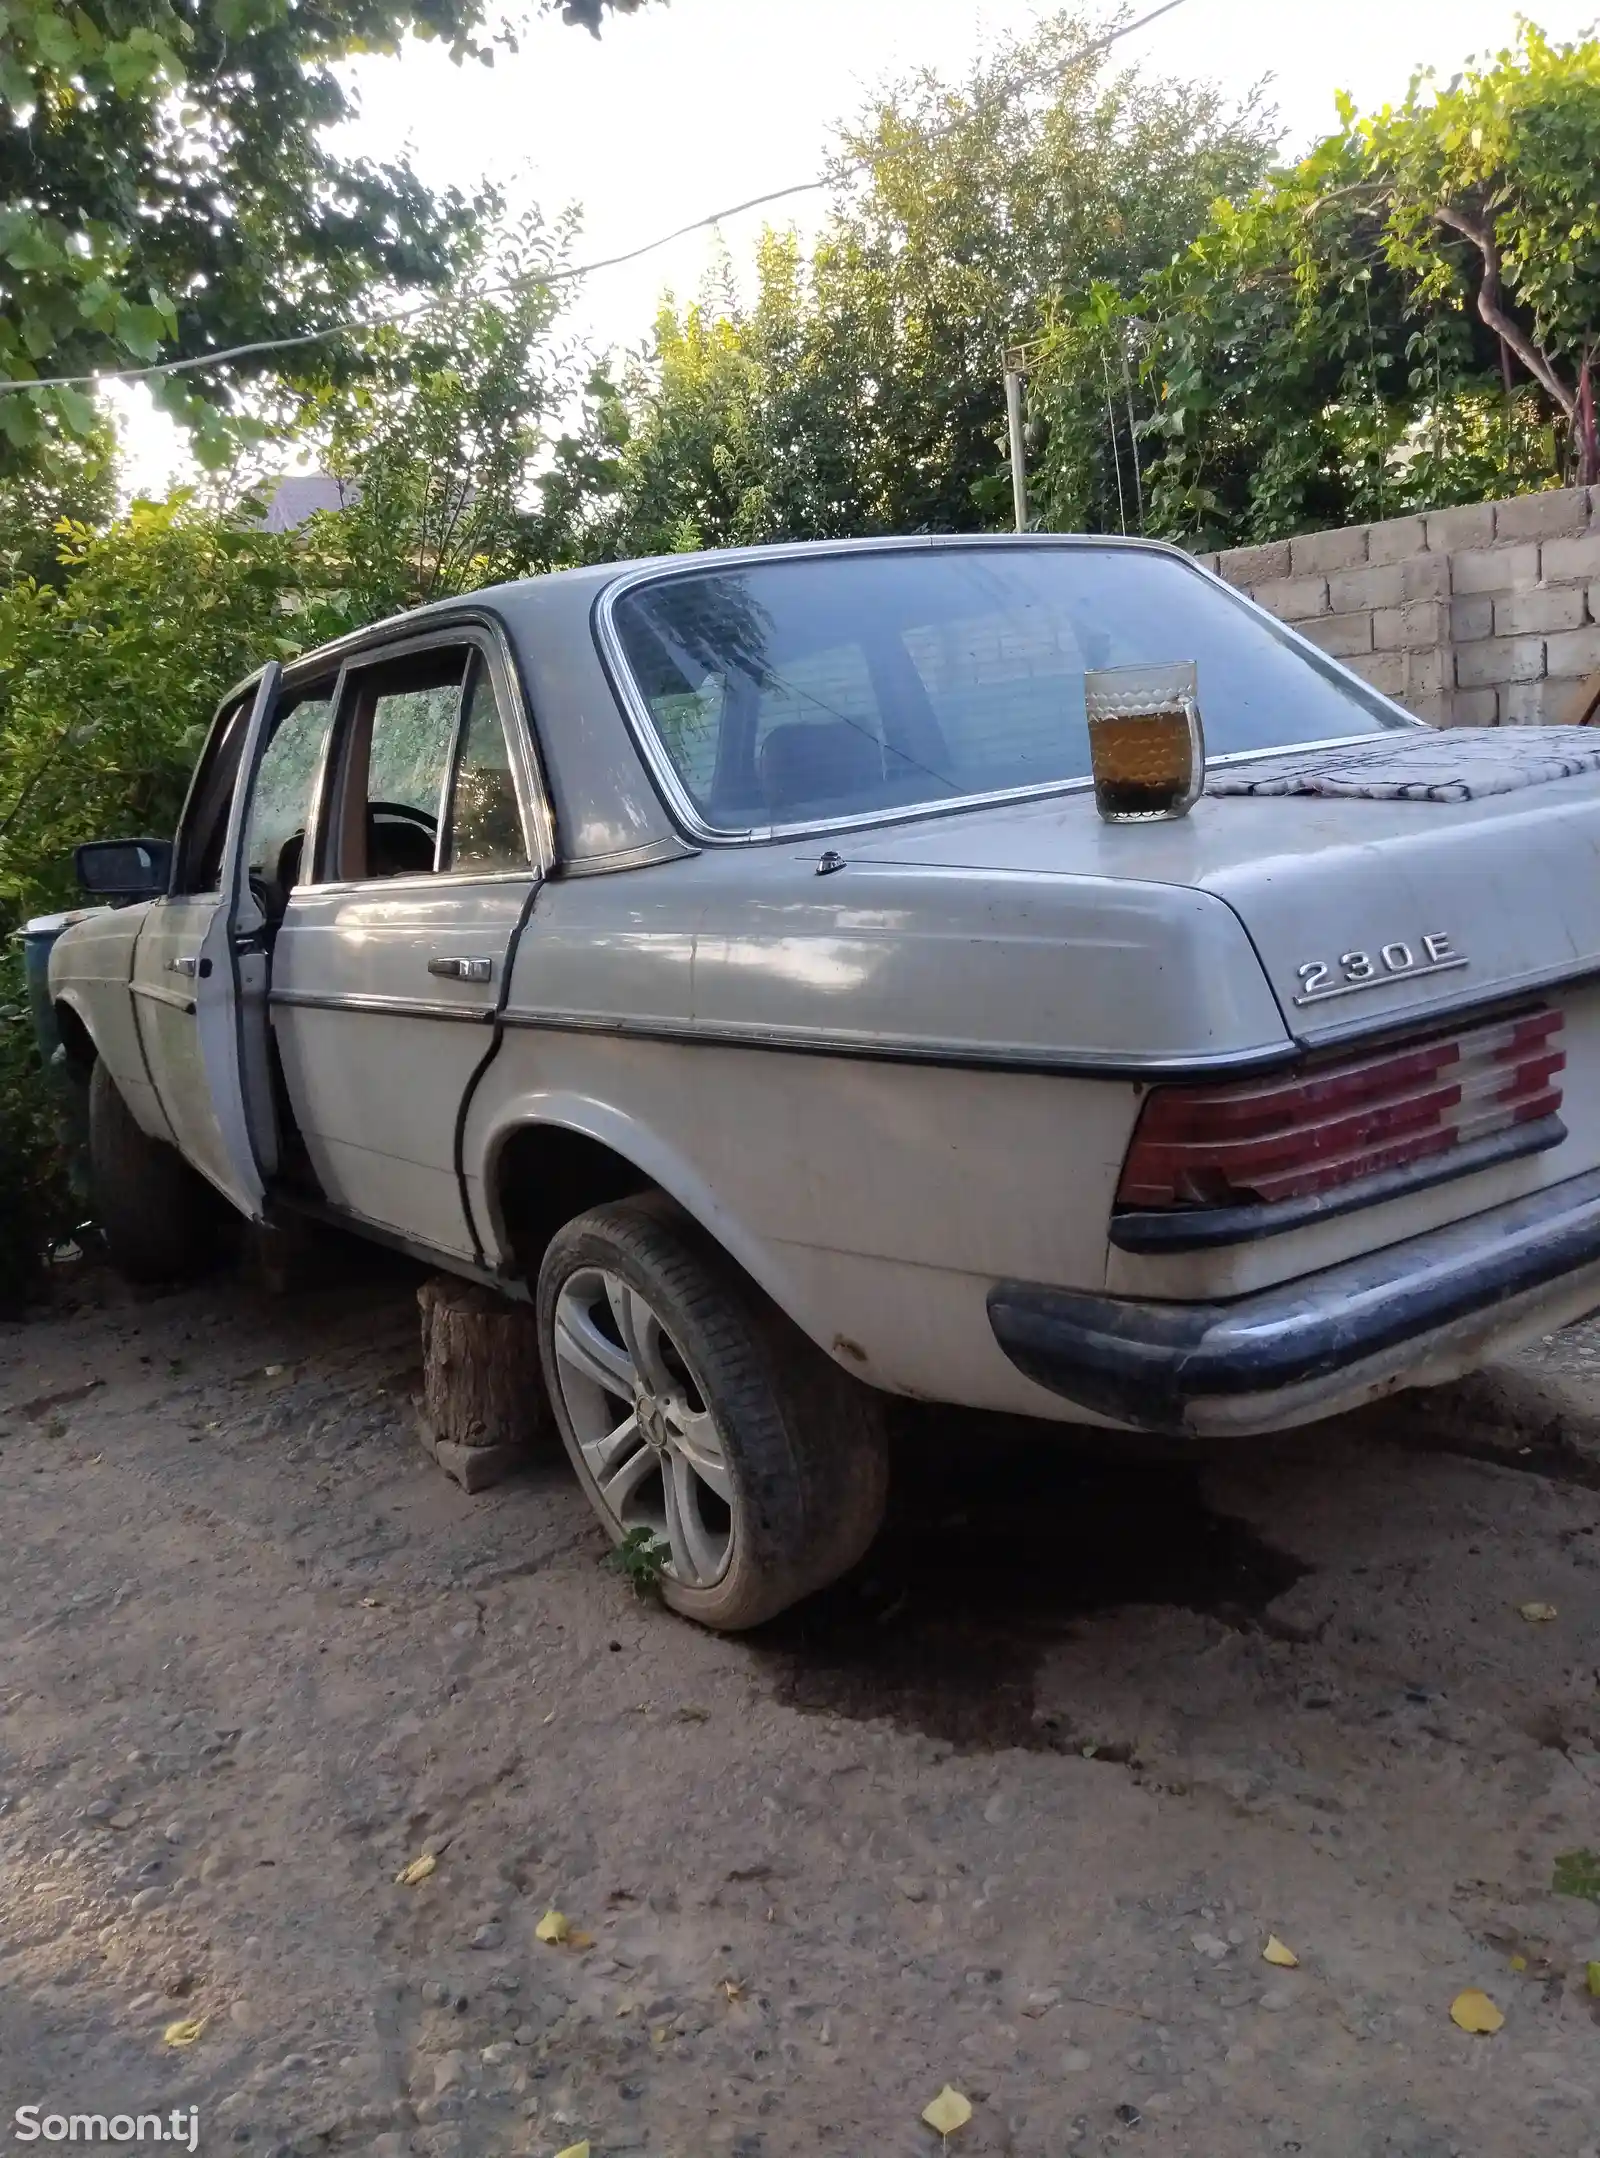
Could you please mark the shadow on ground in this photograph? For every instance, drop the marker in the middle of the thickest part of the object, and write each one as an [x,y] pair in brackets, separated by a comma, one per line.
[1002,1534]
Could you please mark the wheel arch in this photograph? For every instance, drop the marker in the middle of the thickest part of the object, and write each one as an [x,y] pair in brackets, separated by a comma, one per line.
[550,1159]
[76,1035]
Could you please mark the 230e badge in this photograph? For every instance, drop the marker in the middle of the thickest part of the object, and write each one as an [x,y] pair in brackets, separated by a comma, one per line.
[1353,971]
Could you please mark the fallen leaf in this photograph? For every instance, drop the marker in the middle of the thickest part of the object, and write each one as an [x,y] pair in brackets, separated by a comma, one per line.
[948,2112]
[552,1927]
[1591,1979]
[418,1870]
[370,1603]
[732,1988]
[1474,2011]
[575,2150]
[1519,1963]
[1276,1952]
[579,1940]
[183,2034]
[1537,1614]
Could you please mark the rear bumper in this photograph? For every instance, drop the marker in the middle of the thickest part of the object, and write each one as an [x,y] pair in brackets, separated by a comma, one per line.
[1414,1313]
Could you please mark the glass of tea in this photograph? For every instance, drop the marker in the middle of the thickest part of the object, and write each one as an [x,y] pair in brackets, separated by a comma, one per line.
[1146,745]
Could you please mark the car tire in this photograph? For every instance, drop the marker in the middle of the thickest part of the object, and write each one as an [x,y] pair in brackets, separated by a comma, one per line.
[761,1465]
[161,1220]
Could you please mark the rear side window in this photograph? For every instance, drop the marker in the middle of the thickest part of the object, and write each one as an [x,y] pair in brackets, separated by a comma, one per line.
[485,823]
[397,727]
[411,730]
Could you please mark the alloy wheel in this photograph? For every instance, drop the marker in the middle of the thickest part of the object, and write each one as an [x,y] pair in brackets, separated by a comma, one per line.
[641,1420]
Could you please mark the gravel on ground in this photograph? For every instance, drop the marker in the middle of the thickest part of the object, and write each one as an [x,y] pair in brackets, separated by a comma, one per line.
[1016,1809]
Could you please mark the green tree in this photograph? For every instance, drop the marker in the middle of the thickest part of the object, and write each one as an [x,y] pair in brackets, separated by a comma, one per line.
[167,188]
[108,679]
[1401,320]
[78,485]
[694,470]
[36,1201]
[861,389]
[1487,188]
[446,444]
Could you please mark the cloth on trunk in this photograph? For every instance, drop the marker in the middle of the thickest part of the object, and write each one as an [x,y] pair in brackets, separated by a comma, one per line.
[1424,764]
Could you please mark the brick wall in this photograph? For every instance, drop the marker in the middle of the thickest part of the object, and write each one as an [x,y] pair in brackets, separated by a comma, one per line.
[1477,617]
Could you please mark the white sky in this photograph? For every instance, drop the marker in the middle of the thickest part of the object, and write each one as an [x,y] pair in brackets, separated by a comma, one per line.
[690,106]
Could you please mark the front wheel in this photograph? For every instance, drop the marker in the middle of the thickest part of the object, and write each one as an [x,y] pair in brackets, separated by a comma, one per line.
[693,1409]
[160,1219]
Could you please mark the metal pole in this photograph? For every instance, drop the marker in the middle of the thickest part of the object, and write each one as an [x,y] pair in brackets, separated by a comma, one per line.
[1019,462]
[1116,454]
[1133,436]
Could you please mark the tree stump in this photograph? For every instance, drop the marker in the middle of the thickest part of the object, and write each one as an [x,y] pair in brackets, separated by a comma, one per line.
[483,1408]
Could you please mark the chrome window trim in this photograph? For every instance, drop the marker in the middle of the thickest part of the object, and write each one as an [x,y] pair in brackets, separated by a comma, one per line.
[680,804]
[414,880]
[672,848]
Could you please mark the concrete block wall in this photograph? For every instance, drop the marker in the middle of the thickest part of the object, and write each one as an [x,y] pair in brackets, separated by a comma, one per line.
[1483,616]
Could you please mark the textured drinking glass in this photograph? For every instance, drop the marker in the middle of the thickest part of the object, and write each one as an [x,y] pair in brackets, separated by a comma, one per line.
[1146,745]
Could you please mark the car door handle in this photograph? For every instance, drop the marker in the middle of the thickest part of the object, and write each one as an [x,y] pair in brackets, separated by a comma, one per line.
[188,963]
[463,970]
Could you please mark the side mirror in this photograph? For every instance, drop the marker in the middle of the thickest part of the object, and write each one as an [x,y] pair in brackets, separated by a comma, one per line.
[124,868]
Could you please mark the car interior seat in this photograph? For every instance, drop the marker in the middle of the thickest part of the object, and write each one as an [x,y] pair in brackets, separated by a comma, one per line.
[396,847]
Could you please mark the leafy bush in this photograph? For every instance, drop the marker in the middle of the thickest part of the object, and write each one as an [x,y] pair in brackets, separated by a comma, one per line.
[1404,319]
[107,679]
[36,1200]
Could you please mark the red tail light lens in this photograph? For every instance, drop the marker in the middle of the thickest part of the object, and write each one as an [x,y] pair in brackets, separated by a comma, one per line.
[1258,1143]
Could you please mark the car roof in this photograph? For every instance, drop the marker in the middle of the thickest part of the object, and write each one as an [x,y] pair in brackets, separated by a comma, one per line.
[607,808]
[580,586]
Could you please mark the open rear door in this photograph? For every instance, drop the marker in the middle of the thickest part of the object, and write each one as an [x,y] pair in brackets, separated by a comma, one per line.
[230,993]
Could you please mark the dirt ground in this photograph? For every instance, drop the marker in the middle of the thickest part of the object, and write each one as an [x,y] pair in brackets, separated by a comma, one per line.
[1015,1809]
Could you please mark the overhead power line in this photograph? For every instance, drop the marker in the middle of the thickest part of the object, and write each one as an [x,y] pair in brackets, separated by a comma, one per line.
[554,277]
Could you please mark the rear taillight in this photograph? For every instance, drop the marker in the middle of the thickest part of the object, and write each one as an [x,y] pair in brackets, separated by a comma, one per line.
[1271,1140]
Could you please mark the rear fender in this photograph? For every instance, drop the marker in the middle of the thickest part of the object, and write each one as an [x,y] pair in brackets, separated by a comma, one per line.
[654,1158]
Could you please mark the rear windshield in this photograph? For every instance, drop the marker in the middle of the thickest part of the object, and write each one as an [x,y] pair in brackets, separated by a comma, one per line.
[843,684]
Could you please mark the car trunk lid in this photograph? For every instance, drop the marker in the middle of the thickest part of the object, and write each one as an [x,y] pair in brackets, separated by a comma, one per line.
[1366,915]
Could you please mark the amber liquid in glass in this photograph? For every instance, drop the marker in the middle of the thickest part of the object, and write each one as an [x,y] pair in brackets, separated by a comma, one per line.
[1142,762]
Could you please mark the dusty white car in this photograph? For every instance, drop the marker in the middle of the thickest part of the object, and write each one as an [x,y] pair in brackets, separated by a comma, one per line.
[726,953]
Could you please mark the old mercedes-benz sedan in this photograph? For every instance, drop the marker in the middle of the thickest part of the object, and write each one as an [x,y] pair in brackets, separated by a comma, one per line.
[730,955]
